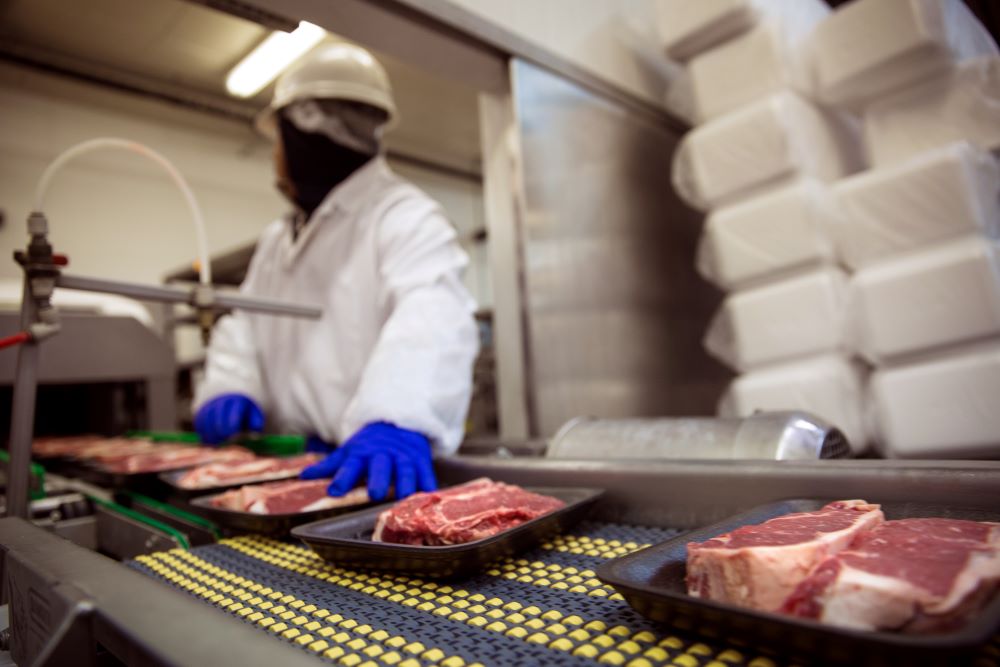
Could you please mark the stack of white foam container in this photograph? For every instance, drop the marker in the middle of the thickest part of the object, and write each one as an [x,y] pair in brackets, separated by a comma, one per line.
[760,162]
[917,230]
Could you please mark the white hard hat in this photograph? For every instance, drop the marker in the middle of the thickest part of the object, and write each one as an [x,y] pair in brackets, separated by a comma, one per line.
[339,71]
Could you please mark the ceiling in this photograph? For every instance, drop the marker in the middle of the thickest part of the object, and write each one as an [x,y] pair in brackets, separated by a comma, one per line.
[182,51]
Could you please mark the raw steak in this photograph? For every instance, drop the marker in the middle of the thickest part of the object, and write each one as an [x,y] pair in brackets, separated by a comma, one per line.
[464,513]
[111,452]
[289,497]
[258,470]
[914,575]
[173,457]
[88,446]
[759,566]
[62,445]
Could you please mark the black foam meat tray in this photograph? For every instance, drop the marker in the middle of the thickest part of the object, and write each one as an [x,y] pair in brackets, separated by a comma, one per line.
[347,540]
[652,581]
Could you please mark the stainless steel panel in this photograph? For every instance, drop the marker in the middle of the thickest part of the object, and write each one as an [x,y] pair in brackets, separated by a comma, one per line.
[81,532]
[614,310]
[500,188]
[93,348]
[50,582]
[689,494]
[124,537]
[96,349]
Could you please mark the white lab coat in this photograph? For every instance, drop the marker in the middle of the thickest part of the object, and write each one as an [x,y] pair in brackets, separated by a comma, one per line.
[397,338]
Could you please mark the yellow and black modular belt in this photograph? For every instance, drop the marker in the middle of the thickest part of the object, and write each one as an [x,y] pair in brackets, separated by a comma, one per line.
[543,607]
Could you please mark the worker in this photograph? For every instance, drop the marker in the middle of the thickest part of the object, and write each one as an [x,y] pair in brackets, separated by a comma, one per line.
[386,372]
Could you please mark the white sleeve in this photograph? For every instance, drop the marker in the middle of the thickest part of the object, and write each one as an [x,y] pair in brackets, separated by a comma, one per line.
[231,364]
[419,376]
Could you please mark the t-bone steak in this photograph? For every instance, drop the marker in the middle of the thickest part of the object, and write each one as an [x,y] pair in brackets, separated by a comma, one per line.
[287,497]
[464,513]
[759,566]
[914,575]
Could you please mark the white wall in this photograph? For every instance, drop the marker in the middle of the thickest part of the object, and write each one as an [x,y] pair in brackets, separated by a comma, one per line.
[609,38]
[116,215]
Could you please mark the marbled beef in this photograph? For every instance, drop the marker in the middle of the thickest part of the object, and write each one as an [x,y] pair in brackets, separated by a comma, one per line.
[288,497]
[463,513]
[172,457]
[914,575]
[244,472]
[759,566]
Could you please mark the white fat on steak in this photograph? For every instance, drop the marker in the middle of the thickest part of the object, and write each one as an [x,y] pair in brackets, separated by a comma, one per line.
[759,566]
[913,575]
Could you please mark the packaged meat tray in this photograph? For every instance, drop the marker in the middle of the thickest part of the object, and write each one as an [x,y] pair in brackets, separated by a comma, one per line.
[139,469]
[85,447]
[169,456]
[349,539]
[655,583]
[216,477]
[275,508]
[463,513]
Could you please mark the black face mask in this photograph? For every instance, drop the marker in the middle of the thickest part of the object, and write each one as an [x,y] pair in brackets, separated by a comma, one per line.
[316,164]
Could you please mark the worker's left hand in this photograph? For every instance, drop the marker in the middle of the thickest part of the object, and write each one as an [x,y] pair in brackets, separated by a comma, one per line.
[387,455]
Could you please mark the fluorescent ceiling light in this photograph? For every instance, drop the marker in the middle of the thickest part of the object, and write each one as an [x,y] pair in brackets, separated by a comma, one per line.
[271,57]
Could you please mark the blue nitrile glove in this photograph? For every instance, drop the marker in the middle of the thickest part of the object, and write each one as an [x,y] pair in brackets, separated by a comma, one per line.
[226,415]
[385,453]
[317,445]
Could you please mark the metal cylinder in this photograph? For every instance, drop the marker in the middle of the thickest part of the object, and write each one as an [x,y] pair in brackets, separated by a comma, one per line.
[766,435]
[22,416]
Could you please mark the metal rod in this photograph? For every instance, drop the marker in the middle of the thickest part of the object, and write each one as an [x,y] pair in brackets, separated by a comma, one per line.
[22,417]
[136,291]
[266,305]
[170,294]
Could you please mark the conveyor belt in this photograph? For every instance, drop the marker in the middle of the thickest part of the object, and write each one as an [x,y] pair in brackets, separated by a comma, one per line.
[544,607]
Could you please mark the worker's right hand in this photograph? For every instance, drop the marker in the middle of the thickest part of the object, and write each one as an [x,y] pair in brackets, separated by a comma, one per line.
[384,453]
[224,416]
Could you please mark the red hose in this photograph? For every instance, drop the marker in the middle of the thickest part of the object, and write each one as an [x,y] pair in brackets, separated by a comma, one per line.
[16,339]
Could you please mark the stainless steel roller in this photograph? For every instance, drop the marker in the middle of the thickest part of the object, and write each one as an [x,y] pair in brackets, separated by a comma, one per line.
[766,435]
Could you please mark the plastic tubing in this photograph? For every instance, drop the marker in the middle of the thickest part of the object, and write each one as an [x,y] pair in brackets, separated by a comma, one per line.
[16,339]
[204,268]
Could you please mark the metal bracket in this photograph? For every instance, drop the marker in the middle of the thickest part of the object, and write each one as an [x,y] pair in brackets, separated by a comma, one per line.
[67,603]
[50,620]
